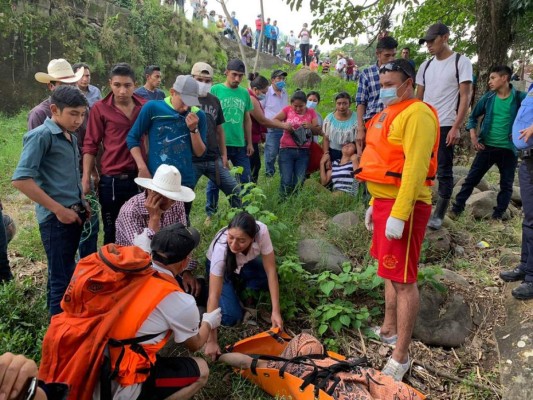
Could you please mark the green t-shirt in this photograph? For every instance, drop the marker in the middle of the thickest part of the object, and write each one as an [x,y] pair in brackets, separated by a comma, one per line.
[234,102]
[498,135]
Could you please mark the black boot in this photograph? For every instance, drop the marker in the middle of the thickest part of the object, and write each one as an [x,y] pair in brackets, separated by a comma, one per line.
[435,222]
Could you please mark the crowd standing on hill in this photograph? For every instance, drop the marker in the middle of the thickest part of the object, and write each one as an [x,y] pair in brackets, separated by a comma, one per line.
[141,152]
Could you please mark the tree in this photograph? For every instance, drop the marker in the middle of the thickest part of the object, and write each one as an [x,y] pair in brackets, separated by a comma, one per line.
[235,32]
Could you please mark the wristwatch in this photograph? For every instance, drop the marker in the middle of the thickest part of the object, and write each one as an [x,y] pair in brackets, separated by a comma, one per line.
[195,131]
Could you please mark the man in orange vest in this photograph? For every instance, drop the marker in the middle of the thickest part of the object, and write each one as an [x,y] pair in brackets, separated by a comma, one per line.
[399,165]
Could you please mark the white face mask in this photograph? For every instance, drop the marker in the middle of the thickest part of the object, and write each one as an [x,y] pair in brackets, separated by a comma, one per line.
[203,88]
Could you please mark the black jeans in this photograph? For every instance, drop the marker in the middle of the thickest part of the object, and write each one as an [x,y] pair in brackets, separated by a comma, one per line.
[113,193]
[304,48]
[525,176]
[273,46]
[506,162]
[255,163]
[5,271]
[445,165]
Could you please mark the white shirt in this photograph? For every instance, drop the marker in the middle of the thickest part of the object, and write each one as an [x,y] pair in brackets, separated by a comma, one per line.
[441,89]
[262,245]
[292,40]
[341,63]
[176,312]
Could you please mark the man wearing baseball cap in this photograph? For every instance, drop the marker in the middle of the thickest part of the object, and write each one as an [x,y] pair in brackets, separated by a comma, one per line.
[236,103]
[59,73]
[445,82]
[214,163]
[275,100]
[176,130]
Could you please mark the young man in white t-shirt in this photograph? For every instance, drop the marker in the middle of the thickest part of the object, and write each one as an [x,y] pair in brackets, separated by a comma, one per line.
[445,82]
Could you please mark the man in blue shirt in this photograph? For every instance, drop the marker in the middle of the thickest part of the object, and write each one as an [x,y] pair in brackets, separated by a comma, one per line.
[91,92]
[176,130]
[48,173]
[274,34]
[266,36]
[150,90]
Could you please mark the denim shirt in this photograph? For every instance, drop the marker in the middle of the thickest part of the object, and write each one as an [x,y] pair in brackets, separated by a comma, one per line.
[53,163]
[485,107]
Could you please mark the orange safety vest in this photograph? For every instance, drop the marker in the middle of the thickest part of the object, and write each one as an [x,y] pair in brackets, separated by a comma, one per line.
[382,161]
[130,364]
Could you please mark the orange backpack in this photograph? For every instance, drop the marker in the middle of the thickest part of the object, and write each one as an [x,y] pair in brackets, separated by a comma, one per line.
[103,290]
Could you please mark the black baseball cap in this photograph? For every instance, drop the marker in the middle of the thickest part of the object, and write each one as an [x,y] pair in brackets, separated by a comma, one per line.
[236,65]
[433,31]
[399,65]
[174,243]
[277,73]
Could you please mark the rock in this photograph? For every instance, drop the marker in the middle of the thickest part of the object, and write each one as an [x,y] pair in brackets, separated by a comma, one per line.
[439,244]
[459,251]
[448,223]
[449,276]
[457,189]
[305,78]
[435,192]
[493,289]
[318,255]
[462,238]
[482,204]
[482,186]
[459,172]
[442,322]
[515,197]
[345,221]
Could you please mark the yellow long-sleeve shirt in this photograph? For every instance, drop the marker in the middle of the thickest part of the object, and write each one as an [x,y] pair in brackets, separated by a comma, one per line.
[415,129]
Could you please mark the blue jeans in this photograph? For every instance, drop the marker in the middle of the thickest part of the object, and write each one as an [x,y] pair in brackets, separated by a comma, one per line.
[238,157]
[89,237]
[292,167]
[445,165]
[113,193]
[273,138]
[525,177]
[506,162]
[226,182]
[252,276]
[5,271]
[60,243]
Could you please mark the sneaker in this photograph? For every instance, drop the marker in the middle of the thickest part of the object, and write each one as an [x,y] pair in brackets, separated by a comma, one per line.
[395,369]
[513,276]
[524,291]
[385,339]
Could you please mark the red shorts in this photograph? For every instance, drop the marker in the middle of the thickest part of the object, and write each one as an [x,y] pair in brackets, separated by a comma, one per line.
[398,258]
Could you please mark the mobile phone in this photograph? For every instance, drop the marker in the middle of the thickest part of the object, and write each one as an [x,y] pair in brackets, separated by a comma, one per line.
[30,389]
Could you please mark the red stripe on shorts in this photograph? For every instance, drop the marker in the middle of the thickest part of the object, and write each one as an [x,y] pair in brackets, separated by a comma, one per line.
[175,382]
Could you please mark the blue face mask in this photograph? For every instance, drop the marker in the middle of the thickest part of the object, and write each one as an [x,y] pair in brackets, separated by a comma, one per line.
[281,85]
[389,96]
[261,96]
[311,104]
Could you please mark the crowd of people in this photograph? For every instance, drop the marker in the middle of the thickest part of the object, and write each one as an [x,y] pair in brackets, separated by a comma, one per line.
[140,153]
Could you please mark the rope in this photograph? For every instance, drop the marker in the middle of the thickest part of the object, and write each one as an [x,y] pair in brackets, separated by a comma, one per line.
[95,210]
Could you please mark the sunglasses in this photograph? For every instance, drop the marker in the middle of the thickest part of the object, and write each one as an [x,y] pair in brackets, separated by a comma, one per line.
[391,67]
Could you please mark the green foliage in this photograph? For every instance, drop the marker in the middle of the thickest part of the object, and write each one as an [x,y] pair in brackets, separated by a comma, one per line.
[23,318]
[350,281]
[427,276]
[296,286]
[341,314]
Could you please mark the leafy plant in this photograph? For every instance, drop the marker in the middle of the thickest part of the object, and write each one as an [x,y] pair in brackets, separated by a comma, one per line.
[350,281]
[426,276]
[341,314]
[296,288]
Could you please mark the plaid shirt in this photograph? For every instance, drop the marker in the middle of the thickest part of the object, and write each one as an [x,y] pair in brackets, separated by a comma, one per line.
[368,92]
[133,220]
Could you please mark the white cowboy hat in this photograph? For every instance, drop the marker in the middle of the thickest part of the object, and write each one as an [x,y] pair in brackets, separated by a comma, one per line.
[167,181]
[59,70]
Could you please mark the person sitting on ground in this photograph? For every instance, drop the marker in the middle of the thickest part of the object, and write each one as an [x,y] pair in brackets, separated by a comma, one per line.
[493,142]
[293,156]
[160,205]
[339,127]
[340,175]
[258,89]
[360,383]
[240,256]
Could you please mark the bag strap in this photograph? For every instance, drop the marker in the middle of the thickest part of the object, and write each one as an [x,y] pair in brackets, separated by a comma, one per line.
[425,69]
[118,269]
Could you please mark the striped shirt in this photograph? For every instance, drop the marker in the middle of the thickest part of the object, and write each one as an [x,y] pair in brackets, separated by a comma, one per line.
[342,177]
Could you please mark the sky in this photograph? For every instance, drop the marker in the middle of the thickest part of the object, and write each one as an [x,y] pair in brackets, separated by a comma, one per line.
[247,11]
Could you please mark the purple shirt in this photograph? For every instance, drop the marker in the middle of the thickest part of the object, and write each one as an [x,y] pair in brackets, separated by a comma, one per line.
[275,102]
[38,114]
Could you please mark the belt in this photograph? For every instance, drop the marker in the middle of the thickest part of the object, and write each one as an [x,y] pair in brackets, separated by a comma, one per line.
[122,177]
[525,154]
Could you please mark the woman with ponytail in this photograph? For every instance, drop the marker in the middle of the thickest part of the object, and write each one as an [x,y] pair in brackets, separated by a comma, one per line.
[240,257]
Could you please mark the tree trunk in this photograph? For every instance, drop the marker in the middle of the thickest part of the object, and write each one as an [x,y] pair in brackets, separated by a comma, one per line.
[236,32]
[260,41]
[493,38]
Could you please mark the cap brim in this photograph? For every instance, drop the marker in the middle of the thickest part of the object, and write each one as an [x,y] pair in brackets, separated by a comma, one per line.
[190,100]
[45,78]
[185,194]
[426,38]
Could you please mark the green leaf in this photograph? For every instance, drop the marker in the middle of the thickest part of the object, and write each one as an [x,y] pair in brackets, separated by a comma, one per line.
[345,320]
[336,325]
[327,287]
[322,329]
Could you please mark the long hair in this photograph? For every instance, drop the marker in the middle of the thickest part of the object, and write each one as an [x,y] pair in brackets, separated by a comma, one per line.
[246,223]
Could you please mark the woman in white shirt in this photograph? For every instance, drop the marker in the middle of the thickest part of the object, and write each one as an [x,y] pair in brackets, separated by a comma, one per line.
[241,253]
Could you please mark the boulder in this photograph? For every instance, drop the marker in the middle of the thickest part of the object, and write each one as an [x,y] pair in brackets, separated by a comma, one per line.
[345,221]
[449,276]
[439,244]
[442,321]
[318,255]
[516,199]
[459,172]
[482,204]
[457,189]
[482,186]
[305,78]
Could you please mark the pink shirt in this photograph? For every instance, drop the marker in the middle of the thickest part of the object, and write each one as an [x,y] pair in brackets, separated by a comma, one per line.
[296,120]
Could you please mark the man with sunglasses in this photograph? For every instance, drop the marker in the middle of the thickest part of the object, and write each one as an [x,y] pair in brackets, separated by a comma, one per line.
[214,163]
[399,164]
[445,82]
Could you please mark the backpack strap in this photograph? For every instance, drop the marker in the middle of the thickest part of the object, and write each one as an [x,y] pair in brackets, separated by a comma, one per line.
[457,57]
[425,69]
